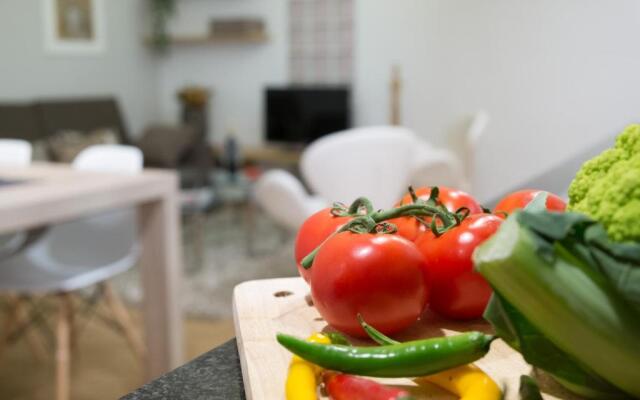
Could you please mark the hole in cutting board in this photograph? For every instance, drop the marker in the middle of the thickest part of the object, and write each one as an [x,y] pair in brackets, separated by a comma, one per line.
[282,293]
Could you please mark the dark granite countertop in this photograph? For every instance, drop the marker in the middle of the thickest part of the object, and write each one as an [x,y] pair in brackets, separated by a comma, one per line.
[214,375]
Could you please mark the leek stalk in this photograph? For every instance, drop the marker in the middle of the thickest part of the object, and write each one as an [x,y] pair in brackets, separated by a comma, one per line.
[575,306]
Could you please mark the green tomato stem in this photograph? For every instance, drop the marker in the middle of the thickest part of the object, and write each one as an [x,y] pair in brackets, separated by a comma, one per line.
[367,223]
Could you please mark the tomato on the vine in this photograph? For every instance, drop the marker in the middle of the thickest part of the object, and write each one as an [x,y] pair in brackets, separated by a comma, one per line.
[313,232]
[457,291]
[381,276]
[453,199]
[521,198]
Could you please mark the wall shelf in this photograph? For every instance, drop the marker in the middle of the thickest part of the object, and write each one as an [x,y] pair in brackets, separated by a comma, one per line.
[202,40]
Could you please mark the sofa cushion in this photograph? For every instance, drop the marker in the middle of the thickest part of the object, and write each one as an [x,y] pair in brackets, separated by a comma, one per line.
[65,145]
[164,146]
[81,114]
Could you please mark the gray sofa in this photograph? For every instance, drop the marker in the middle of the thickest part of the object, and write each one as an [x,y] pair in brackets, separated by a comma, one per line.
[41,119]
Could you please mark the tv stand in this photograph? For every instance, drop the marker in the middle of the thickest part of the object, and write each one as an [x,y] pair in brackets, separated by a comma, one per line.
[275,155]
[272,154]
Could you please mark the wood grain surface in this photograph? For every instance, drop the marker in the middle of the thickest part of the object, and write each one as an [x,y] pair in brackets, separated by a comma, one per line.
[48,193]
[264,307]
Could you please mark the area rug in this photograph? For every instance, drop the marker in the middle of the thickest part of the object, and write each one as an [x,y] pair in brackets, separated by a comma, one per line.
[207,287]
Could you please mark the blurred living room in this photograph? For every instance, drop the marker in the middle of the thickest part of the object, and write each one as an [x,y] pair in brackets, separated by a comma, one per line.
[154,154]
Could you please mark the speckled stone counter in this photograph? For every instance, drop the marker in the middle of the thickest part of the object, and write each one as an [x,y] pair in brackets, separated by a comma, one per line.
[213,375]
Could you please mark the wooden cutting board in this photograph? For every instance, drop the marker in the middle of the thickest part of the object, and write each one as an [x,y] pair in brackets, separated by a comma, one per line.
[264,307]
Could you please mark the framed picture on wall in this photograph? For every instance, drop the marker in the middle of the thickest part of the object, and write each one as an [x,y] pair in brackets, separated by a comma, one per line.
[74,26]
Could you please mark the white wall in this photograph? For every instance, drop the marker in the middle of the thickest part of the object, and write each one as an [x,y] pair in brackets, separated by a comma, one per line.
[237,73]
[126,69]
[555,76]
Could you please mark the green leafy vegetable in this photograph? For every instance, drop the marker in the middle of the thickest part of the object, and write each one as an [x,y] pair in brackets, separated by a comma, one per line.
[567,299]
[607,187]
[512,327]
[580,235]
[529,389]
[539,202]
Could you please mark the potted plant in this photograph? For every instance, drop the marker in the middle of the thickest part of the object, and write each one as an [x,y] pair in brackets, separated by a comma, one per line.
[161,11]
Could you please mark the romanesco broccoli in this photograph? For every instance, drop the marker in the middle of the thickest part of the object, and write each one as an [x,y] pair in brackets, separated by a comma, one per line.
[607,187]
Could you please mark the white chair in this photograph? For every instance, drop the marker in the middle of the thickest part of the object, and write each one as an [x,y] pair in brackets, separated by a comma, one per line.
[283,197]
[15,153]
[477,127]
[377,162]
[438,167]
[110,158]
[77,255]
[442,167]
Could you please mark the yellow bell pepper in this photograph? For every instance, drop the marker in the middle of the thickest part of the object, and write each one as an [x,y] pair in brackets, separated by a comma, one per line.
[302,380]
[467,381]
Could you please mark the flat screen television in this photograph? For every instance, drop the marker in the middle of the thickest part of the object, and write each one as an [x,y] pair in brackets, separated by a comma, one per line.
[299,115]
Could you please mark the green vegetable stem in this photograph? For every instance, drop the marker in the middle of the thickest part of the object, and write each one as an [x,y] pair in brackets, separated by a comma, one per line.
[415,358]
[568,299]
[375,334]
[367,220]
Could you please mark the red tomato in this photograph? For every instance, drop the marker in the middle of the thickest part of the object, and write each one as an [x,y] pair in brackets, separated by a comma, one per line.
[457,291]
[380,276]
[313,232]
[520,199]
[410,228]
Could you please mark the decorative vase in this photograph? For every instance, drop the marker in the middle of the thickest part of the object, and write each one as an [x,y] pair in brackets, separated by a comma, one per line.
[194,101]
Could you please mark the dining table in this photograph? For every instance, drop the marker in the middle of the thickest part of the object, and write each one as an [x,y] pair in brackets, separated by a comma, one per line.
[43,194]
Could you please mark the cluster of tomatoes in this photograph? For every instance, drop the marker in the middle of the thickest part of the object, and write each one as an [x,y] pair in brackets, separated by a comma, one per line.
[390,278]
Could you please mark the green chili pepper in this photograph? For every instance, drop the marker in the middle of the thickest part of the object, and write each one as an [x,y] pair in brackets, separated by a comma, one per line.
[337,338]
[415,358]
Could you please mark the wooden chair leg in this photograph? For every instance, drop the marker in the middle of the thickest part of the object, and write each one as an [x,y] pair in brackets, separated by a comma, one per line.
[11,320]
[73,334]
[33,340]
[63,356]
[123,318]
[200,220]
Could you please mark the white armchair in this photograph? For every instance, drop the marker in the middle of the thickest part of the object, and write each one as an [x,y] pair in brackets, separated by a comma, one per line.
[377,162]
[436,166]
[284,198]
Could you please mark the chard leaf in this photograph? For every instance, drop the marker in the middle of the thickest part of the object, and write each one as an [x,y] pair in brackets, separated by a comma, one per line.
[560,238]
[497,315]
[587,240]
[529,389]
[555,226]
[623,275]
[539,202]
[619,262]
[516,330]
